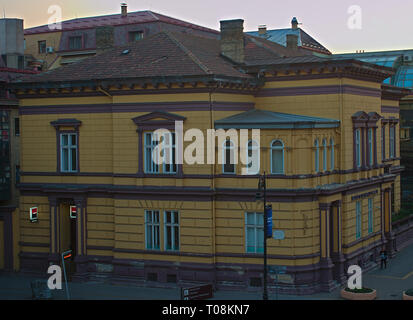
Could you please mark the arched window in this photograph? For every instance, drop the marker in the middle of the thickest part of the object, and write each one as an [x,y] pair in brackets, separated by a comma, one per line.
[332,155]
[317,156]
[229,158]
[277,157]
[324,155]
[253,157]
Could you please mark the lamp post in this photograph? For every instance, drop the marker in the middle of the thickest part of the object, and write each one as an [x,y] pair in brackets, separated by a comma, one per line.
[262,194]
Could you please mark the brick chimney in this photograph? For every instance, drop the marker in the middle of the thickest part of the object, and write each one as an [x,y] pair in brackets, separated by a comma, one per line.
[124,9]
[292,41]
[262,30]
[232,40]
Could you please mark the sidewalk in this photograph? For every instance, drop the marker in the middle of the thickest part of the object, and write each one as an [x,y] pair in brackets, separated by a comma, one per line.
[389,283]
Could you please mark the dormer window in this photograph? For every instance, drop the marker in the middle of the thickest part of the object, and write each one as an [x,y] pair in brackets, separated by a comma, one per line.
[135,36]
[75,42]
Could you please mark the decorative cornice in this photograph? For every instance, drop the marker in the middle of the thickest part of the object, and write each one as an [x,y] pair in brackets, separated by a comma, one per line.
[66,123]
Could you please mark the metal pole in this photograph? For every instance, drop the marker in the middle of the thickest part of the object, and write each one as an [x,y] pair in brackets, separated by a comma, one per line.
[64,271]
[265,294]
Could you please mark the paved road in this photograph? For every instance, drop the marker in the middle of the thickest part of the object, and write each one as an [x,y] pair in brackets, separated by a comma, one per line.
[390,283]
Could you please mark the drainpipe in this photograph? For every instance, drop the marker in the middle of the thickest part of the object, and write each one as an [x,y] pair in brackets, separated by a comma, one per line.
[211,121]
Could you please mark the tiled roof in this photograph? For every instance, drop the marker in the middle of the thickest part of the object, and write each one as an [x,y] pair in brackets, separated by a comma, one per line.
[262,119]
[117,20]
[304,39]
[165,54]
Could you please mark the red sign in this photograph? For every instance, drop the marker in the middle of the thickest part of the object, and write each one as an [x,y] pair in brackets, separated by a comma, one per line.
[33,214]
[73,212]
[197,293]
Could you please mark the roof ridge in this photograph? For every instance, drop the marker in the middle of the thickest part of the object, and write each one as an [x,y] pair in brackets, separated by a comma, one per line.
[188,52]
[263,45]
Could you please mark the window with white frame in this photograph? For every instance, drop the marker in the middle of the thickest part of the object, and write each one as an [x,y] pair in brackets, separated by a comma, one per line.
[152,230]
[332,155]
[254,232]
[358,148]
[169,165]
[167,146]
[171,233]
[370,146]
[324,155]
[371,215]
[253,157]
[358,219]
[228,166]
[316,156]
[277,157]
[68,152]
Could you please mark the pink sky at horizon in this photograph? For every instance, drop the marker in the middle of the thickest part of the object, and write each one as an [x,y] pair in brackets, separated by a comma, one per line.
[384,26]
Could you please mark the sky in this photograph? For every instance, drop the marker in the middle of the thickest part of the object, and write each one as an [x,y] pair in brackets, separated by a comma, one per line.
[340,25]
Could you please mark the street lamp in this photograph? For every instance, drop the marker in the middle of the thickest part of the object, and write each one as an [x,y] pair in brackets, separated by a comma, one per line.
[262,195]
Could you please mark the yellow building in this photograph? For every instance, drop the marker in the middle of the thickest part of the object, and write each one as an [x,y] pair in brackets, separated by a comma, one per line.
[329,144]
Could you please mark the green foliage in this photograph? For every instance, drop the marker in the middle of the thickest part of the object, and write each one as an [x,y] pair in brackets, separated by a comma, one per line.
[409,292]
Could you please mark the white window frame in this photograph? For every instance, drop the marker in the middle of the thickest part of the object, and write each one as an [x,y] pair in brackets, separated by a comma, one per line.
[170,146]
[174,225]
[153,167]
[317,156]
[258,247]
[370,145]
[69,147]
[231,147]
[371,215]
[155,227]
[278,148]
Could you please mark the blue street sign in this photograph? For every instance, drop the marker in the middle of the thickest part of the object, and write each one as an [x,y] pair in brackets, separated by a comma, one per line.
[278,235]
[268,214]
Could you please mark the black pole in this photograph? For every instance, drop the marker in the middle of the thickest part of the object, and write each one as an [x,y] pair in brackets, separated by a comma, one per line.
[265,294]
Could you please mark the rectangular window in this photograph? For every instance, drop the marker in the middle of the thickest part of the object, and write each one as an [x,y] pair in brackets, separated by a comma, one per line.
[42,46]
[371,217]
[358,149]
[370,146]
[75,42]
[135,36]
[68,152]
[358,219]
[392,141]
[167,143]
[169,165]
[151,142]
[17,127]
[254,232]
[171,235]
[152,226]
